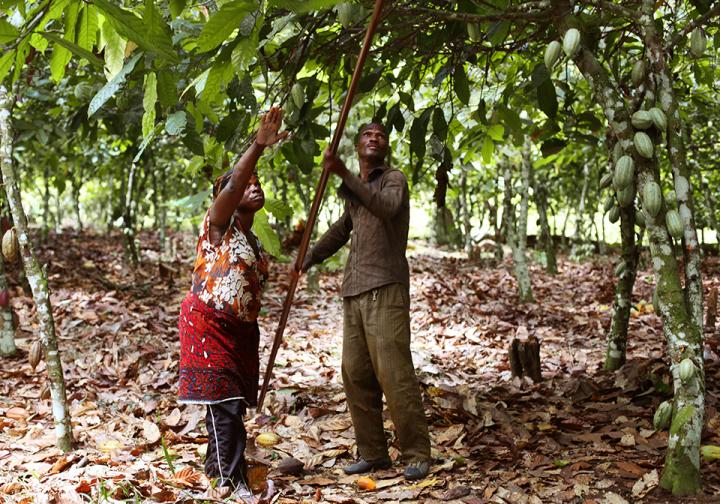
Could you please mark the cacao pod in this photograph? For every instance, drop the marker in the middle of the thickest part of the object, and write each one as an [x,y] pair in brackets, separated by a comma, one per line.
[10,246]
[698,42]
[614,214]
[626,196]
[661,420]
[637,75]
[674,224]
[640,218]
[474,32]
[687,370]
[35,354]
[643,145]
[606,180]
[345,14]
[267,439]
[652,198]
[617,152]
[620,269]
[84,91]
[298,94]
[624,173]
[641,119]
[4,298]
[658,118]
[670,199]
[571,42]
[609,202]
[552,53]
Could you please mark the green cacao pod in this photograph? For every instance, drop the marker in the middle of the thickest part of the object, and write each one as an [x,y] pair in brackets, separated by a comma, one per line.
[474,32]
[698,42]
[658,118]
[617,152]
[571,42]
[640,218]
[670,199]
[652,198]
[624,173]
[626,196]
[637,75]
[10,245]
[620,269]
[84,91]
[614,214]
[606,180]
[687,370]
[298,94]
[552,53]
[661,420]
[641,119]
[345,14]
[643,145]
[35,354]
[609,202]
[674,224]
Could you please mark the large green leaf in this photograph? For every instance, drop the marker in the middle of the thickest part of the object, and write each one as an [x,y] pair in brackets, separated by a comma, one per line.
[74,49]
[267,235]
[109,89]
[460,84]
[87,27]
[159,32]
[149,100]
[61,53]
[167,89]
[278,208]
[130,26]
[8,32]
[302,6]
[114,50]
[547,98]
[176,7]
[418,131]
[176,123]
[6,61]
[221,25]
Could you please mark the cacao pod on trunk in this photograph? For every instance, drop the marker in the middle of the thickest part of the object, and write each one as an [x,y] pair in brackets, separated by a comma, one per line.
[10,246]
[606,180]
[35,354]
[674,224]
[652,198]
[614,214]
[624,173]
[626,196]
[661,420]
[641,119]
[637,75]
[687,370]
[658,119]
[643,145]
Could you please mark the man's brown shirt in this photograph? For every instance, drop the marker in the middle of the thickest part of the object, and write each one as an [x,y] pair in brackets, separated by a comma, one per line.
[377,218]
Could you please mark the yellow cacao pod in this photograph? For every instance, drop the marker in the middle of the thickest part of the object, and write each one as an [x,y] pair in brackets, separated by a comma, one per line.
[35,354]
[10,246]
[267,439]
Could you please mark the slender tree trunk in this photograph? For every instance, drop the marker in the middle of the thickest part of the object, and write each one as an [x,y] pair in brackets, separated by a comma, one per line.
[128,226]
[517,234]
[7,331]
[46,204]
[540,192]
[38,281]
[467,230]
[580,235]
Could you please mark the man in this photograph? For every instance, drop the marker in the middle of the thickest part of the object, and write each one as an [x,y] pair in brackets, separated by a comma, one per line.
[376,355]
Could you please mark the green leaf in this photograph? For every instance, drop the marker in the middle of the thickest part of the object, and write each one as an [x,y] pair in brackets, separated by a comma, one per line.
[460,84]
[488,148]
[87,27]
[167,89]
[149,100]
[130,26]
[223,23]
[176,7]
[440,127]
[278,208]
[547,98]
[8,32]
[418,131]
[159,32]
[74,49]
[192,202]
[109,89]
[220,74]
[303,6]
[61,54]
[114,50]
[6,62]
[244,52]
[498,32]
[496,132]
[176,123]
[266,234]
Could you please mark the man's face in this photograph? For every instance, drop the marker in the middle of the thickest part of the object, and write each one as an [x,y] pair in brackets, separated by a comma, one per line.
[254,197]
[373,143]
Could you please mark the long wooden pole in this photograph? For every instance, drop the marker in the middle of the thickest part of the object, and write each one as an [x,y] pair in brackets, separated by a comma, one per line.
[322,183]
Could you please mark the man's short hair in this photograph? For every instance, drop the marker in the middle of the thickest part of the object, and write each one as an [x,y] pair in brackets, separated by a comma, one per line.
[371,125]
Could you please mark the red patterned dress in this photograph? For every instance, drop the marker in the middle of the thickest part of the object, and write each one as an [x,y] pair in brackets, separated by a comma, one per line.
[219,335]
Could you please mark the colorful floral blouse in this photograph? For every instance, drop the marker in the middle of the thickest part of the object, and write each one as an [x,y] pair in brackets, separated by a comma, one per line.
[229,276]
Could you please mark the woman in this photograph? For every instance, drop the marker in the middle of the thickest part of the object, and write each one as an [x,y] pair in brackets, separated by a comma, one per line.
[219,333]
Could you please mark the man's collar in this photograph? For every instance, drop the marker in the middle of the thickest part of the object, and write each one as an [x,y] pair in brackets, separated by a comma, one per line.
[376,172]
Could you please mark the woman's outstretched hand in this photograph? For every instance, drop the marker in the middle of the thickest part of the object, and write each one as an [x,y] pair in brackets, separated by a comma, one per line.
[267,133]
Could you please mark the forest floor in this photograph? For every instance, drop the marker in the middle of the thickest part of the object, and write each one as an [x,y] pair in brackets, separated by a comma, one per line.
[580,435]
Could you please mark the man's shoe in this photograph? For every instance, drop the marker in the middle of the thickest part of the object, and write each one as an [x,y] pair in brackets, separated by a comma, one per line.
[417,470]
[363,466]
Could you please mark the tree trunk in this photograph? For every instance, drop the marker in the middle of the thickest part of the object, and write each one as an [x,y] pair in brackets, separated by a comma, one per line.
[467,230]
[128,226]
[7,330]
[46,204]
[517,234]
[579,239]
[540,192]
[38,281]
